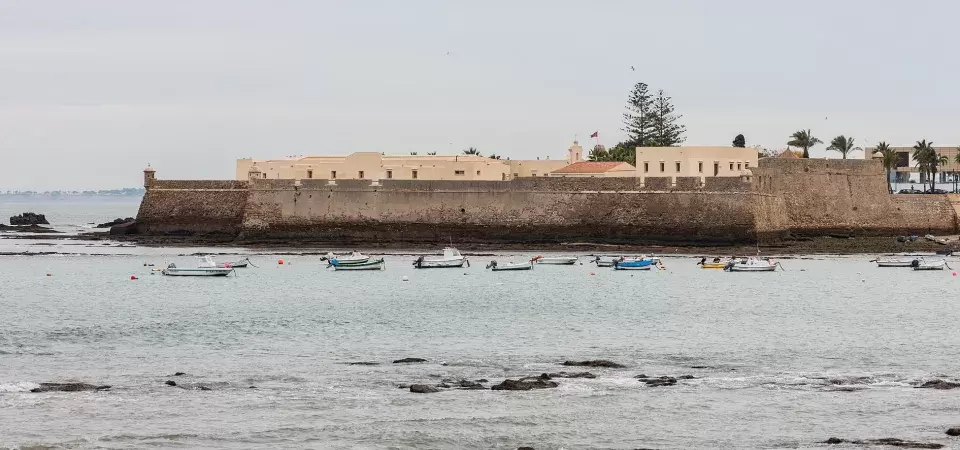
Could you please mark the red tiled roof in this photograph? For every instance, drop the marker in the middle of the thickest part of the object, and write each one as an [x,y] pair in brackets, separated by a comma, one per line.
[591,167]
[789,154]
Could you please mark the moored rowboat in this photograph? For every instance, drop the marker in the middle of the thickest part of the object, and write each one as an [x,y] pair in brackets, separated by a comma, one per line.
[368,265]
[451,258]
[556,260]
[494,266]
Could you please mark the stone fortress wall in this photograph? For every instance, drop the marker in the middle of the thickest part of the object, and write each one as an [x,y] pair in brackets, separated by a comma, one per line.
[784,197]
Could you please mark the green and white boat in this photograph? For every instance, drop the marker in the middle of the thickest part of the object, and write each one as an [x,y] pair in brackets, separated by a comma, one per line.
[366,265]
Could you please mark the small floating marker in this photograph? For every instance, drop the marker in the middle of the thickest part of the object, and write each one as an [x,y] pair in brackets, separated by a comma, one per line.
[592,273]
[280,262]
[133,277]
[954,274]
[49,274]
[404,278]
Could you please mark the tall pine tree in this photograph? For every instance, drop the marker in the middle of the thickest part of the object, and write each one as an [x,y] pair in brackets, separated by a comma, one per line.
[638,120]
[666,131]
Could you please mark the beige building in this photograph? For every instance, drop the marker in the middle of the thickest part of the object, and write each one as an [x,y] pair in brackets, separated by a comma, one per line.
[906,166]
[376,166]
[586,169]
[694,161]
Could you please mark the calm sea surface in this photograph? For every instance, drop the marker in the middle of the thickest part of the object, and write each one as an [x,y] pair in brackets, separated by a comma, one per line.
[829,347]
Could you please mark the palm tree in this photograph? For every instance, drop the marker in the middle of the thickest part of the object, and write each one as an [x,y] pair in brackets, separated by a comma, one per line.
[431,153]
[803,139]
[956,159]
[472,151]
[842,144]
[927,160]
[598,153]
[889,158]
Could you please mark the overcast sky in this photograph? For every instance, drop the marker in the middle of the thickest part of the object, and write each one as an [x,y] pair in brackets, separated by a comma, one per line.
[92,91]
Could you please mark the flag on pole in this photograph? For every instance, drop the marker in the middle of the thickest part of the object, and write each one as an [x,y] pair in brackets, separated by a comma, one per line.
[595,134]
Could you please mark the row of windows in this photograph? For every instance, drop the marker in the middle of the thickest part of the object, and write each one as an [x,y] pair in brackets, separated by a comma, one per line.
[716,166]
[360,174]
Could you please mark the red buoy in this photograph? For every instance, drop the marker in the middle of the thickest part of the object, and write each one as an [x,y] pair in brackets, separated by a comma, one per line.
[133,277]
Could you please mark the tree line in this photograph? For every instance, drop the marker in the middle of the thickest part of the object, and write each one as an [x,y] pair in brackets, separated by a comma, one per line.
[650,120]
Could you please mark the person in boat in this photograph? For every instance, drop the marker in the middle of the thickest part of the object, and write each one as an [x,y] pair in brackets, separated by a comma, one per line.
[703,260]
[716,260]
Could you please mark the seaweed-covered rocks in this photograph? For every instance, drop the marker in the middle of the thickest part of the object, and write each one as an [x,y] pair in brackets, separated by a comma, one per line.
[595,363]
[525,384]
[69,387]
[409,361]
[939,384]
[889,442]
[29,218]
[423,389]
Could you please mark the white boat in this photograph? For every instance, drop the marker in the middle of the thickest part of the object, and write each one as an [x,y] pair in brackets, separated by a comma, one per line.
[238,264]
[925,264]
[556,260]
[451,258]
[353,257]
[895,261]
[751,265]
[206,268]
[600,262]
[510,266]
[336,264]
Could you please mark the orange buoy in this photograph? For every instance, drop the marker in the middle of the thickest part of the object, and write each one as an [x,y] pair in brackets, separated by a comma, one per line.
[133,277]
[280,261]
[591,273]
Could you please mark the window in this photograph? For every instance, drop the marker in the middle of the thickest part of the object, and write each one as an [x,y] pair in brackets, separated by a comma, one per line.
[360,174]
[700,167]
[716,168]
[413,174]
[662,166]
[678,166]
[739,166]
[264,176]
[746,165]
[333,174]
[458,172]
[646,167]
[478,173]
[731,167]
[389,174]
[516,175]
[309,174]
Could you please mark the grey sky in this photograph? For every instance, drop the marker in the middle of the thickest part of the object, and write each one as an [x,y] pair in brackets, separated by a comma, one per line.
[92,91]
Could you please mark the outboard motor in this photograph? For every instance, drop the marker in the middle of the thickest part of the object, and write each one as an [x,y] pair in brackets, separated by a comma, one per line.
[915,263]
[492,264]
[703,260]
[729,266]
[419,262]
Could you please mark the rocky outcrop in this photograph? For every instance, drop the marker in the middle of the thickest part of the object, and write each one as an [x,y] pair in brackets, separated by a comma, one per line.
[363,363]
[657,381]
[939,384]
[525,384]
[69,387]
[124,229]
[29,218]
[423,389]
[953,431]
[570,375]
[595,363]
[113,222]
[889,442]
[409,361]
[27,229]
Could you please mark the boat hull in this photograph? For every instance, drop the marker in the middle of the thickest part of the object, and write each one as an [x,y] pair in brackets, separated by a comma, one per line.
[752,269]
[713,265]
[894,263]
[505,267]
[604,263]
[201,272]
[427,264]
[371,265]
[629,267]
[559,261]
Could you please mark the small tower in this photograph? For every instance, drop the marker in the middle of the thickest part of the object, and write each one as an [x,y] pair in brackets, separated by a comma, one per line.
[254,173]
[575,153]
[149,175]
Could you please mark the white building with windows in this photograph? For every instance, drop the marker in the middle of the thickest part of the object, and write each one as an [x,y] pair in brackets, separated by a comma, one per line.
[700,162]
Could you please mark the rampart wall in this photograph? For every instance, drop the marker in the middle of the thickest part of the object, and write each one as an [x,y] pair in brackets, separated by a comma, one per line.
[785,197]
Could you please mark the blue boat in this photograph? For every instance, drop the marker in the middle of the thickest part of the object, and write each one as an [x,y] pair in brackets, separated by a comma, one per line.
[638,264]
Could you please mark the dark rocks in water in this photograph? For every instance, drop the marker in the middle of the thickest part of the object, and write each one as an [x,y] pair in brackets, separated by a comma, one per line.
[27,229]
[364,363]
[953,432]
[686,377]
[524,385]
[657,381]
[443,385]
[29,218]
[570,375]
[526,448]
[204,388]
[171,383]
[252,387]
[701,367]
[179,374]
[595,363]
[409,360]
[124,228]
[113,222]
[890,442]
[69,387]
[403,386]
[482,380]
[423,389]
[939,384]
[470,385]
